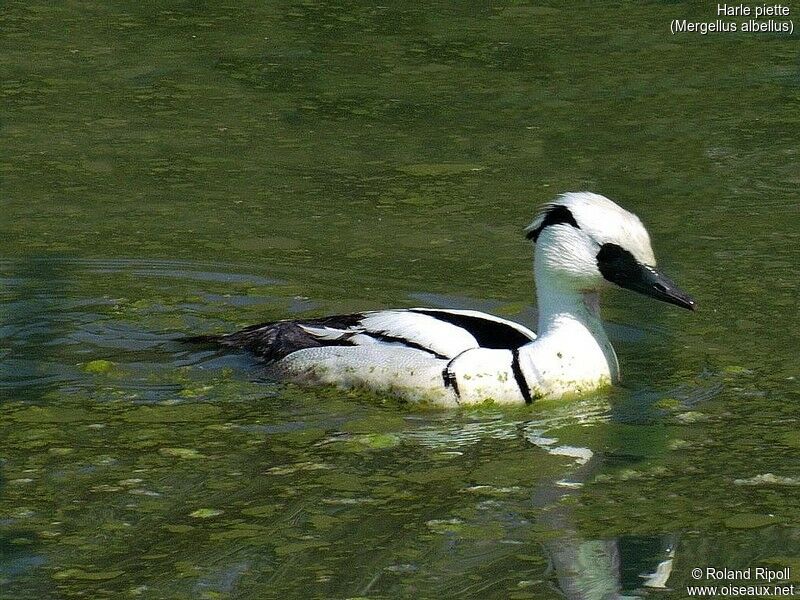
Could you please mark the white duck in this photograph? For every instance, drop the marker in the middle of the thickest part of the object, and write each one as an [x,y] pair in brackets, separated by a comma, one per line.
[450,357]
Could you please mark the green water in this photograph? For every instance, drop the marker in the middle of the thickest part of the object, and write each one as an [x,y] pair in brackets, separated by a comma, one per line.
[172,168]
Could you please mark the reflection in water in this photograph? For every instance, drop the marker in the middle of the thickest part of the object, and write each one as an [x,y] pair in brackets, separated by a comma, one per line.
[584,569]
[611,569]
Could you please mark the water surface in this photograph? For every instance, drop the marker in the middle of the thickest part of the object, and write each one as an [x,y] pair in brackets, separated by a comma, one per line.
[175,168]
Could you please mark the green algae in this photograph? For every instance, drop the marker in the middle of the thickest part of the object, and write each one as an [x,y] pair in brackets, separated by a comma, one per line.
[260,511]
[427,476]
[239,532]
[82,575]
[373,441]
[205,513]
[691,416]
[348,482]
[303,437]
[736,370]
[750,521]
[99,366]
[181,413]
[179,528]
[791,438]
[294,547]
[439,169]
[780,562]
[380,423]
[51,414]
[185,453]
[667,404]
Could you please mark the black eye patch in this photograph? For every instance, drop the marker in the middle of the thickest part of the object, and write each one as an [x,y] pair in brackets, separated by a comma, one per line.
[555,215]
[617,264]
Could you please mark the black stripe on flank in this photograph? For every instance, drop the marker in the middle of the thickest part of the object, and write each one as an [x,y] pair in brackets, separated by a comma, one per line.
[449,377]
[556,215]
[451,382]
[519,377]
[385,337]
[488,334]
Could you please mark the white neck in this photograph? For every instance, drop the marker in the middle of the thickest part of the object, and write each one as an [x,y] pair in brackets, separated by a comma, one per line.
[559,307]
[570,326]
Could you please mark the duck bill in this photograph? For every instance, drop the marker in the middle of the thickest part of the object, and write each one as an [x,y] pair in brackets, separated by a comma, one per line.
[654,283]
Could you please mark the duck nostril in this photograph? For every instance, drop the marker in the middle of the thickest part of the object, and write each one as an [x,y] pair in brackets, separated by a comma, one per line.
[660,287]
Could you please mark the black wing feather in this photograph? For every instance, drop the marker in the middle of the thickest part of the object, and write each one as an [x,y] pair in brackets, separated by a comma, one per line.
[488,334]
[275,340]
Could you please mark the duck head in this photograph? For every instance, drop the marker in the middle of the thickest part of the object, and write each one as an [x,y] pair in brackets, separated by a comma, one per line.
[584,240]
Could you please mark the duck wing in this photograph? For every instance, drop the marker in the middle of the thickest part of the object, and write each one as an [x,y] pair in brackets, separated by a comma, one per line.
[442,333]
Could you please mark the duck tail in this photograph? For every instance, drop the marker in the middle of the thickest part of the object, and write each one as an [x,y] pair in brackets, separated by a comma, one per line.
[206,340]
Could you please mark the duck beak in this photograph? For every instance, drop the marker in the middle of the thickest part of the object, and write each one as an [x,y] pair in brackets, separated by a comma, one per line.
[619,266]
[654,283]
